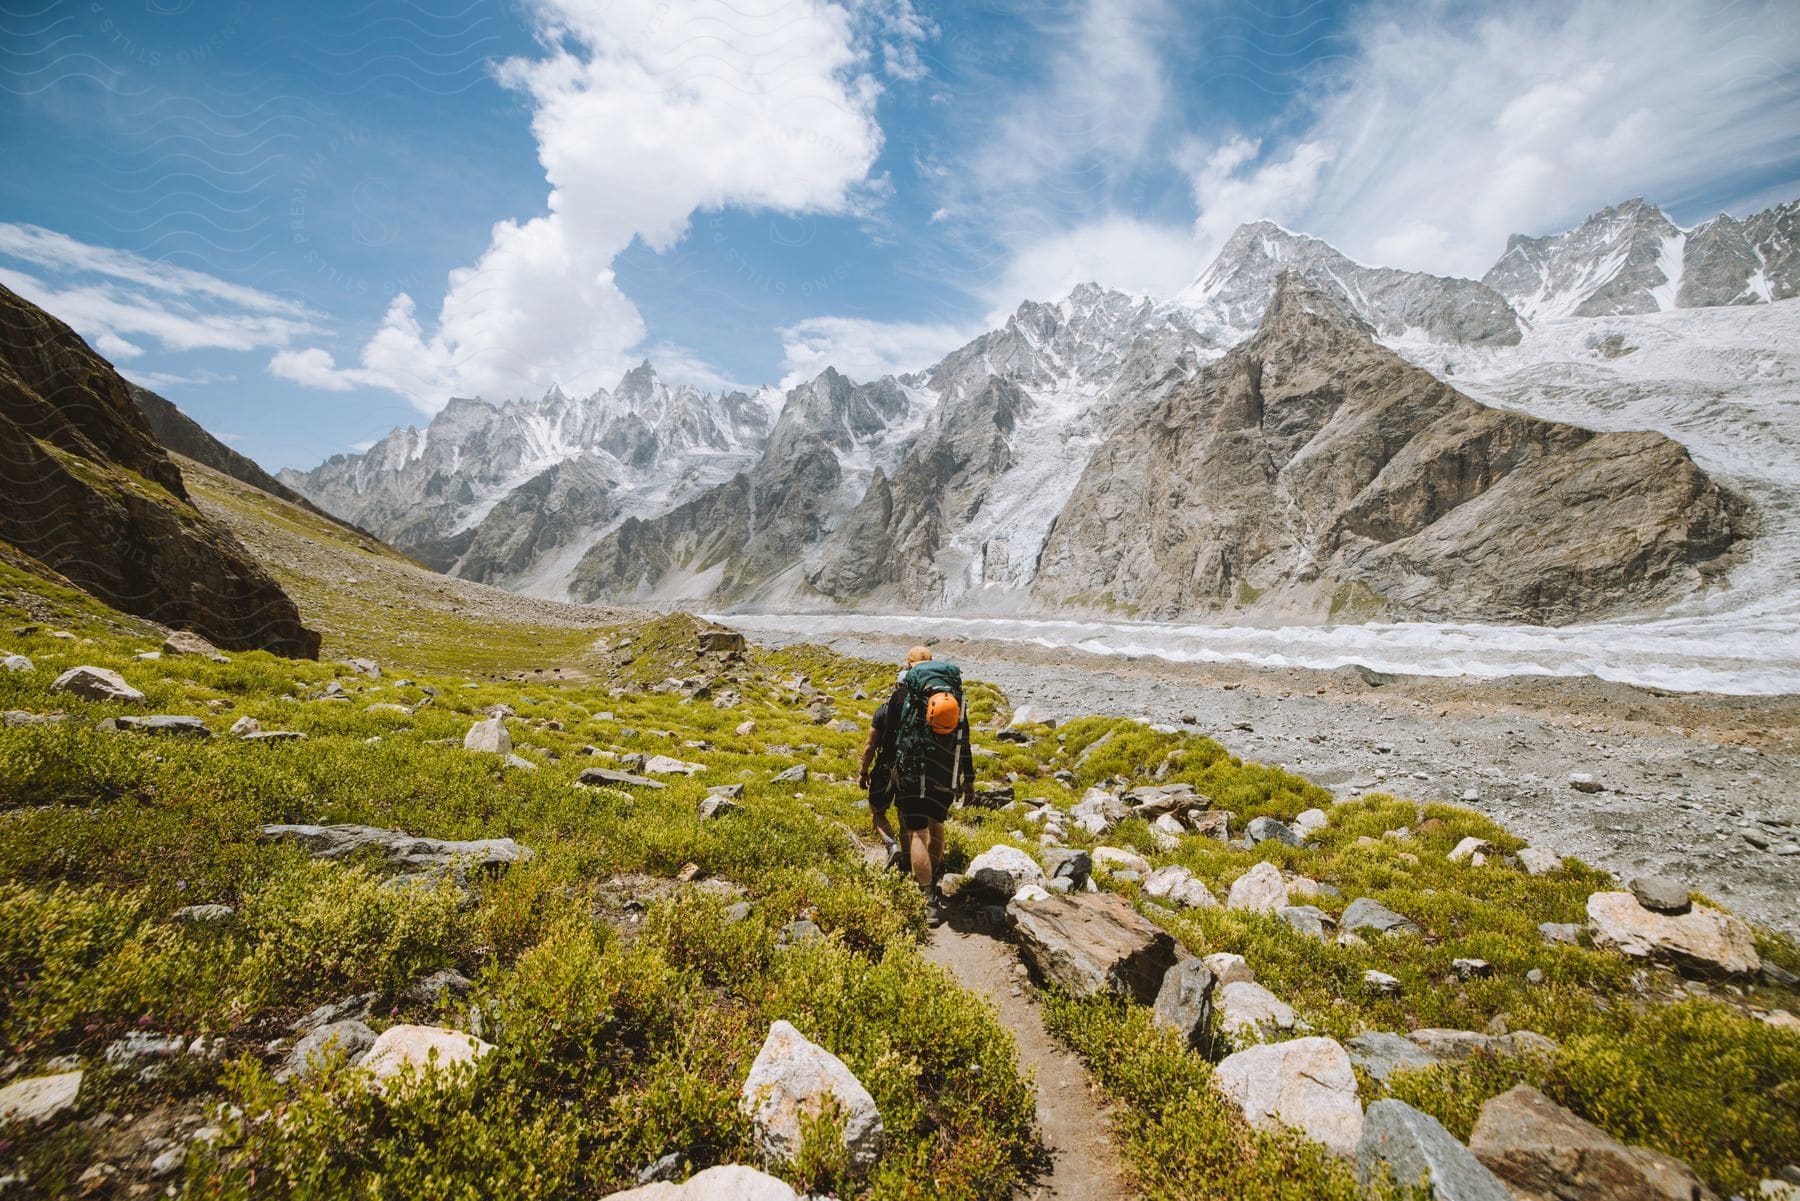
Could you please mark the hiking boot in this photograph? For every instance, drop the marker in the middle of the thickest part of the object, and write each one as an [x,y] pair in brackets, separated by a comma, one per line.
[935,908]
[896,859]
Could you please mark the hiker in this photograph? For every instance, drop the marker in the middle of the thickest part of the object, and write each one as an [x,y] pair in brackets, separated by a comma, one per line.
[877,776]
[933,762]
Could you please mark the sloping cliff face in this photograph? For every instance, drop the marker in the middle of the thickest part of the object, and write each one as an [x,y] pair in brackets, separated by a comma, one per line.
[1312,473]
[87,490]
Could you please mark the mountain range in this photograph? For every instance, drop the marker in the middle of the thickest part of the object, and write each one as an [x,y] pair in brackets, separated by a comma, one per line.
[997,480]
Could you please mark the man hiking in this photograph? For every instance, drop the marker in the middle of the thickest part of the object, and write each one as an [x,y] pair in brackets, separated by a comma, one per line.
[877,776]
[933,763]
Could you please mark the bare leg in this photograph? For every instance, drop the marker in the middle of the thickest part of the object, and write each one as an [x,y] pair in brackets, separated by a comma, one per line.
[884,827]
[918,851]
[935,844]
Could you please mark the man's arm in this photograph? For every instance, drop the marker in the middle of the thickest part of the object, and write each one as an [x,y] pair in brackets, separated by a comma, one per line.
[968,765]
[868,759]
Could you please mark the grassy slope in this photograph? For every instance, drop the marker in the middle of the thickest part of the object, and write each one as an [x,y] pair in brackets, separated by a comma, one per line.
[622,1038]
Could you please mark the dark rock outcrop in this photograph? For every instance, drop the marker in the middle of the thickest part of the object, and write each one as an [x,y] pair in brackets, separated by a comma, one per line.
[86,490]
[1311,473]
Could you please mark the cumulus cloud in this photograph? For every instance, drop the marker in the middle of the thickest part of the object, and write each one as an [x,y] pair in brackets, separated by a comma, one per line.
[864,350]
[644,111]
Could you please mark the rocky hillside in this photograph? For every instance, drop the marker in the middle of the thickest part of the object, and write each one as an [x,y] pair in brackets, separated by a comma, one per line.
[87,490]
[1630,258]
[1312,470]
[515,493]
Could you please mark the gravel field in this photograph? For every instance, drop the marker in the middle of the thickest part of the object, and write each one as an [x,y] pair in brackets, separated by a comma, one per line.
[1701,787]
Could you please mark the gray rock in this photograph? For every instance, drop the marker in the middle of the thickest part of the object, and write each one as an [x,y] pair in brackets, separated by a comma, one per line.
[144,1044]
[38,1099]
[1703,939]
[594,777]
[1661,894]
[97,684]
[1269,829]
[736,912]
[400,850]
[352,1037]
[1471,969]
[1366,913]
[1184,1003]
[731,792]
[1581,781]
[1541,1149]
[167,724]
[1249,1012]
[489,737]
[793,775]
[274,736]
[1309,920]
[1381,1054]
[202,915]
[718,806]
[798,931]
[1562,932]
[726,1182]
[791,1082]
[359,1006]
[1093,943]
[16,663]
[442,984]
[1259,890]
[1063,863]
[1538,862]
[243,726]
[1001,870]
[1382,983]
[1413,1148]
[1305,1084]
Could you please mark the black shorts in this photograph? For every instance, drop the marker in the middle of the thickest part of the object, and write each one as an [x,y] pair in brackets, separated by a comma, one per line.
[880,797]
[917,812]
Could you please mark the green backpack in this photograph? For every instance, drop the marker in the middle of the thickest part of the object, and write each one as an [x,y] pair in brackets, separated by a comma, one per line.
[913,737]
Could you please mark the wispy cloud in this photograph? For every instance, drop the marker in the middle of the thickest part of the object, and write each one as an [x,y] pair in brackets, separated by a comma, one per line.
[864,349]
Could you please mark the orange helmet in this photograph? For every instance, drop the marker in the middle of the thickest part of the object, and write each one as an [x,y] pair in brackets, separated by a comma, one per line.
[942,713]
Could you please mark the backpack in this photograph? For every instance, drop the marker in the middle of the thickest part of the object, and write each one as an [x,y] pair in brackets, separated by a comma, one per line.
[914,738]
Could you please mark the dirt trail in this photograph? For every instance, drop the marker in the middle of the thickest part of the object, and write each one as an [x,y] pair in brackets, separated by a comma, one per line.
[1084,1164]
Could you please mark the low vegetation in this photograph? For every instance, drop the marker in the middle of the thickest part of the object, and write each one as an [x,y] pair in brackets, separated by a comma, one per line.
[625,994]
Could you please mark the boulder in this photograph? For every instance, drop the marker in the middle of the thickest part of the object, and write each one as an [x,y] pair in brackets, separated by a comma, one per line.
[39,1098]
[1269,829]
[731,792]
[1071,865]
[167,724]
[1001,870]
[719,806]
[1159,800]
[1113,859]
[97,684]
[745,728]
[1381,1054]
[400,850]
[726,1182]
[1381,982]
[792,1080]
[665,765]
[1702,939]
[1311,822]
[595,777]
[1414,1149]
[1441,1043]
[1211,823]
[1661,894]
[1260,890]
[1249,1011]
[16,663]
[1305,1084]
[1093,943]
[437,986]
[1471,969]
[1546,1153]
[364,667]
[1309,920]
[793,775]
[1180,887]
[1098,811]
[721,641]
[489,736]
[420,1049]
[1228,968]
[1581,781]
[351,1037]
[1184,1003]
[1538,862]
[1366,913]
[186,642]
[243,726]
[1562,932]
[1468,848]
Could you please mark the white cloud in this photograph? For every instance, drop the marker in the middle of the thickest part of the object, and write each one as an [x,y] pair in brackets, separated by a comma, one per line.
[644,112]
[173,379]
[1139,257]
[314,367]
[64,255]
[862,349]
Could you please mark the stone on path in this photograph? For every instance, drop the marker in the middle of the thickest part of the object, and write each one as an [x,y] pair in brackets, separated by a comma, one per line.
[1092,944]
[1661,894]
[1248,1010]
[1546,1153]
[1381,1054]
[489,736]
[1002,870]
[1702,939]
[1184,1003]
[1413,1148]
[1260,890]
[39,1098]
[793,1080]
[1366,913]
[726,1182]
[420,1048]
[1306,1084]
[97,684]
[351,1037]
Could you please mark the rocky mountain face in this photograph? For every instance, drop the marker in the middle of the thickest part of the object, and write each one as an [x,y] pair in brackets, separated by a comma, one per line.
[514,494]
[1231,294]
[86,490]
[1631,258]
[1312,472]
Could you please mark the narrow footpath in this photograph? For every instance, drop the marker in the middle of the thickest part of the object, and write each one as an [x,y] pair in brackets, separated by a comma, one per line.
[1084,1163]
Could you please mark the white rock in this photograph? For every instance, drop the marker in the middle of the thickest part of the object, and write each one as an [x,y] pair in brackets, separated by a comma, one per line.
[1581,781]
[1702,938]
[1249,1011]
[1538,862]
[16,663]
[791,1079]
[1163,880]
[1306,1084]
[1311,821]
[186,642]
[1031,892]
[489,737]
[664,765]
[243,726]
[97,684]
[1116,860]
[1003,869]
[1228,968]
[420,1048]
[1260,890]
[727,1182]
[39,1098]
[1468,848]
[1168,823]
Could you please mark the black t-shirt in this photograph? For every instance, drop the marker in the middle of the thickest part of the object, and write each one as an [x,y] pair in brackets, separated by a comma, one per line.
[886,723]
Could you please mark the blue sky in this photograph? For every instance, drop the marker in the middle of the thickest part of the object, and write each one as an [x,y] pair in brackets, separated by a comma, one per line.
[306,224]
